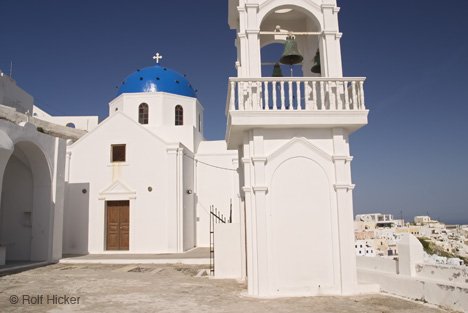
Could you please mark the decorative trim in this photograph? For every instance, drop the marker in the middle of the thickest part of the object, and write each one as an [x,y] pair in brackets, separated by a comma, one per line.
[346,187]
[259,159]
[246,160]
[117,188]
[304,142]
[345,158]
[252,31]
[252,5]
[247,189]
[330,6]
[260,188]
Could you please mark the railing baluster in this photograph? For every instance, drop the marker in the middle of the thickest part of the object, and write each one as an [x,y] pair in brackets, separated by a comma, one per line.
[291,107]
[265,92]
[322,96]
[232,97]
[361,91]
[353,93]
[314,96]
[240,96]
[346,95]
[273,91]
[307,99]
[259,102]
[250,92]
[283,106]
[298,95]
[338,96]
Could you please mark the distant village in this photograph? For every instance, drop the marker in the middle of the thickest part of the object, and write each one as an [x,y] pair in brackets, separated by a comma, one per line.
[377,235]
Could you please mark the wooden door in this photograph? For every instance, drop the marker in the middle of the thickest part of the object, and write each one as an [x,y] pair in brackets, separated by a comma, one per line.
[118,225]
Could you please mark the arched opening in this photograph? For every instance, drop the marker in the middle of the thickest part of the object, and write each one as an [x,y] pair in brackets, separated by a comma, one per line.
[143,113]
[179,115]
[71,125]
[285,19]
[26,207]
[300,227]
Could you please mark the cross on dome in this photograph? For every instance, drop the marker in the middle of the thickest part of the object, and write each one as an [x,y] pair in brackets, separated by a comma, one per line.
[157,57]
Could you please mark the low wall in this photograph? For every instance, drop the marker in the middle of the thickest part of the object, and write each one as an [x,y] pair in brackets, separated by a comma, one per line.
[439,292]
[442,285]
[377,264]
[227,254]
[10,114]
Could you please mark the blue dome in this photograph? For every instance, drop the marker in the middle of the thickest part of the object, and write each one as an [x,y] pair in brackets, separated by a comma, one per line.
[157,78]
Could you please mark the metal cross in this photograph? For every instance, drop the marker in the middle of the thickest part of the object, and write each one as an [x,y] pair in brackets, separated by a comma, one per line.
[157,57]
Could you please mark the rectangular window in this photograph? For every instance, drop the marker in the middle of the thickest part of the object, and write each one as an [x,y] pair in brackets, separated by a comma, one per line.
[118,153]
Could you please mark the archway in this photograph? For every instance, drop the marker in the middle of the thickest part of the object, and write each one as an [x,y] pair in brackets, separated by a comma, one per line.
[300,228]
[26,207]
[284,19]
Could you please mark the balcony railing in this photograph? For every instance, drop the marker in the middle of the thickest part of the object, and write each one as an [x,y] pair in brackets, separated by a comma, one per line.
[296,94]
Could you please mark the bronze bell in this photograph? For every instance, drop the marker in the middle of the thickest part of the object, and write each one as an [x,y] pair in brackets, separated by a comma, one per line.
[291,54]
[277,71]
[317,68]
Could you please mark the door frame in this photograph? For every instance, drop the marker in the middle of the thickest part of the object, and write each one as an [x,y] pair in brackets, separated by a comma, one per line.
[106,224]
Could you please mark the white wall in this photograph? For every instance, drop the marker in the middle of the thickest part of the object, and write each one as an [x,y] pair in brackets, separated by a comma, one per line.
[154,217]
[162,115]
[216,184]
[87,123]
[228,251]
[189,219]
[32,193]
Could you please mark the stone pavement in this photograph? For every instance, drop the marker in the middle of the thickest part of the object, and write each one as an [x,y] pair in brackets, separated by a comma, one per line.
[165,289]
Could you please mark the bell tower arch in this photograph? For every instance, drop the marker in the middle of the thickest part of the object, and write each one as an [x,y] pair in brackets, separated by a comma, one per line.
[312,23]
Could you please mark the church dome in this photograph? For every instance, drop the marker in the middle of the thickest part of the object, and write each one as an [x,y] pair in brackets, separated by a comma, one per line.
[157,78]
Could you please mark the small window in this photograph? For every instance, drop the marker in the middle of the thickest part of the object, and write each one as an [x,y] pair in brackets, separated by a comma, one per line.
[118,153]
[143,113]
[179,115]
[71,125]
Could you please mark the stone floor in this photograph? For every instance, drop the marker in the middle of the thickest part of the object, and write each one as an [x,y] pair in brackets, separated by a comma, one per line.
[163,288]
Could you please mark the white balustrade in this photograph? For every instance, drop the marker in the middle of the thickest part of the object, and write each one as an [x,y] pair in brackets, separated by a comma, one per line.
[296,94]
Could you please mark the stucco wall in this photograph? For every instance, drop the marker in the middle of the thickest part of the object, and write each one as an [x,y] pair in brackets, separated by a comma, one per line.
[216,184]
[146,166]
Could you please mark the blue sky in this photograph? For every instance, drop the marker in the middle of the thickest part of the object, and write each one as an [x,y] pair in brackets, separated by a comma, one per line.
[70,55]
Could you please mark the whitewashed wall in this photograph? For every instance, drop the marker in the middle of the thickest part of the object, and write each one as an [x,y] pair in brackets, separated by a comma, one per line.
[153,217]
[217,184]
[32,167]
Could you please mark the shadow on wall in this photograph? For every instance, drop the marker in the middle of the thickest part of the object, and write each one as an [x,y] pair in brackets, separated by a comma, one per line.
[26,211]
[75,218]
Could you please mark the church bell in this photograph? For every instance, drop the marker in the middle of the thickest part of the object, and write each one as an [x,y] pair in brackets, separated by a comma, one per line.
[317,68]
[277,71]
[291,54]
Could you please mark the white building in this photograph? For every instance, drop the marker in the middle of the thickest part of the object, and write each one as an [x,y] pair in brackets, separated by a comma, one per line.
[32,165]
[142,180]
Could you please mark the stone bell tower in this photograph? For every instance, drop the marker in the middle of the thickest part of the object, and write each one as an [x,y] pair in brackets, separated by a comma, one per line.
[292,137]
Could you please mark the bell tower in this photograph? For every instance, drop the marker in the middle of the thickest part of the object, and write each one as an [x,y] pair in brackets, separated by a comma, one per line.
[312,23]
[292,134]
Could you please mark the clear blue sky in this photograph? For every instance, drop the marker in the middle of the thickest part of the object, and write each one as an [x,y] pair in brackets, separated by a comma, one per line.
[412,156]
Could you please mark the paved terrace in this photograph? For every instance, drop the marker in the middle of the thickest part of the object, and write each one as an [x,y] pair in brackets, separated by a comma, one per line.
[165,289]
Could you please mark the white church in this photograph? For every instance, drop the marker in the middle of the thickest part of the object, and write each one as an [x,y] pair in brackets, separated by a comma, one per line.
[144,179]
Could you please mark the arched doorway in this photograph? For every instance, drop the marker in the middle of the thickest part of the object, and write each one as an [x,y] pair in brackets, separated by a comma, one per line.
[26,207]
